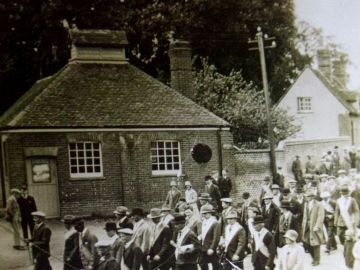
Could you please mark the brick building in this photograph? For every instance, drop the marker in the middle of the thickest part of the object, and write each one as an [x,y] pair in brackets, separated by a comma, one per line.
[100,132]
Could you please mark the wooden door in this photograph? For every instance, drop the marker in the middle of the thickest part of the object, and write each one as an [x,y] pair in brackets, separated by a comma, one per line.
[43,184]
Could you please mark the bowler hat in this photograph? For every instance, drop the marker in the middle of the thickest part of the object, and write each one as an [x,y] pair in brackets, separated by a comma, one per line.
[258,219]
[137,212]
[341,171]
[292,235]
[121,210]
[110,226]
[344,188]
[286,191]
[207,209]
[154,213]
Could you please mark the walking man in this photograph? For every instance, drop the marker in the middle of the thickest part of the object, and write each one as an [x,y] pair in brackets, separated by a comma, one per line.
[173,195]
[40,242]
[27,206]
[72,257]
[106,260]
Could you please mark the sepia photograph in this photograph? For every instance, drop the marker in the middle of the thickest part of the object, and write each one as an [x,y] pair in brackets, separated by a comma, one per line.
[182,135]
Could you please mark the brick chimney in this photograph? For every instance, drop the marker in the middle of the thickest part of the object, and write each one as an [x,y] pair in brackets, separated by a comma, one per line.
[339,69]
[324,62]
[98,46]
[180,68]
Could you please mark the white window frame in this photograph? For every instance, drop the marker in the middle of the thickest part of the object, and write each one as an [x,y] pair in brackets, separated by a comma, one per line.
[304,104]
[155,156]
[77,151]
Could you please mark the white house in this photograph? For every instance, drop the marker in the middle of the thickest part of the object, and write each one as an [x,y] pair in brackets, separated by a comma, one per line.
[323,107]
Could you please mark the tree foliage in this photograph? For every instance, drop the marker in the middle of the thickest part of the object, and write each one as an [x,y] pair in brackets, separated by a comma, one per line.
[34,44]
[241,104]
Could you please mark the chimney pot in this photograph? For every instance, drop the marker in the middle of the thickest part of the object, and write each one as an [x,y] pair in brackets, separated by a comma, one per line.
[324,62]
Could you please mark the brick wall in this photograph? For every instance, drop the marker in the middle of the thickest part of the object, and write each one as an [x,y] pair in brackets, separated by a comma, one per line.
[126,166]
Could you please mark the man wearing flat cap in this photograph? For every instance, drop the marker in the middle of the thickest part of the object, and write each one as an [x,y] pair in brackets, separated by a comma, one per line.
[271,214]
[122,219]
[234,240]
[160,249]
[347,213]
[263,246]
[329,207]
[210,237]
[40,242]
[313,226]
[72,257]
[227,208]
[129,255]
[13,215]
[296,168]
[106,260]
[287,221]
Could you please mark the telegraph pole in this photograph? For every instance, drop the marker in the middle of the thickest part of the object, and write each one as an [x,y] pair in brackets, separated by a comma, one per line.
[259,39]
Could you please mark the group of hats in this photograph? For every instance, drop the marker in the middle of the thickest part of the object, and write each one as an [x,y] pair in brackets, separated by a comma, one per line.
[108,243]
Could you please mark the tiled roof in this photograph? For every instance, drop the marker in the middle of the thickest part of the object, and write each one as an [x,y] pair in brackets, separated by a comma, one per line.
[105,95]
[104,38]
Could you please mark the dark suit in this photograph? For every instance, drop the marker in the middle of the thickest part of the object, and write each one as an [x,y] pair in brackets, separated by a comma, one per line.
[259,259]
[125,223]
[131,255]
[236,246]
[271,217]
[225,187]
[162,248]
[109,263]
[72,252]
[286,223]
[188,260]
[329,208]
[27,206]
[41,247]
[215,195]
[210,241]
[87,250]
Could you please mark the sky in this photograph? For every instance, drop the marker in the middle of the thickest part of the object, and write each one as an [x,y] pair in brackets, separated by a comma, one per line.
[341,19]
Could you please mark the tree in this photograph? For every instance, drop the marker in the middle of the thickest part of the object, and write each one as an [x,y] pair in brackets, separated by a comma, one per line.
[35,44]
[240,103]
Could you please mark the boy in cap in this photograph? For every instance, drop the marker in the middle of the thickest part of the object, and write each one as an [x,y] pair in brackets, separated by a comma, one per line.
[106,260]
[210,237]
[72,257]
[13,215]
[129,255]
[263,246]
[233,242]
[160,248]
[41,242]
[291,256]
[87,244]
[173,195]
[122,219]
[313,226]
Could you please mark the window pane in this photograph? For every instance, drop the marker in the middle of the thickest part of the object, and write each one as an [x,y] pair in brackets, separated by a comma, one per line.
[169,159]
[154,167]
[161,159]
[80,146]
[161,152]
[72,154]
[73,170]
[72,146]
[176,159]
[162,166]
[96,146]
[160,144]
[81,162]
[176,152]
[153,152]
[176,166]
[89,169]
[88,153]
[89,161]
[168,145]
[175,144]
[168,152]
[88,146]
[169,167]
[96,154]
[97,169]
[81,153]
[81,169]
[73,162]
[96,161]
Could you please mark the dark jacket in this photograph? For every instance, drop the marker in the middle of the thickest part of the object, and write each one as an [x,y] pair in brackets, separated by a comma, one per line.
[126,223]
[27,206]
[72,252]
[225,185]
[192,256]
[212,237]
[108,264]
[271,217]
[258,259]
[215,195]
[237,245]
[132,255]
[41,241]
[162,246]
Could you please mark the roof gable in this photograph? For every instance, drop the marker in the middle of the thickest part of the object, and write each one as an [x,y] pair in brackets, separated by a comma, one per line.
[105,95]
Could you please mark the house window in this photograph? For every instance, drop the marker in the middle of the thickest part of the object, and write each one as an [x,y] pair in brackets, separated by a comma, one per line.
[165,157]
[304,104]
[85,160]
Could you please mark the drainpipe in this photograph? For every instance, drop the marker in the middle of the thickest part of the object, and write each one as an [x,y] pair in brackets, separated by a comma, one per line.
[352,132]
[2,171]
[220,158]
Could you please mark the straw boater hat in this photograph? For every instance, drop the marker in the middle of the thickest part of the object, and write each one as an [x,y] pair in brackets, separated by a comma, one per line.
[275,186]
[204,196]
[15,190]
[154,213]
[207,209]
[292,235]
[341,171]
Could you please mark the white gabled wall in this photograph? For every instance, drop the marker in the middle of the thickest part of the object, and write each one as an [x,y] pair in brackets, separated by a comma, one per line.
[323,121]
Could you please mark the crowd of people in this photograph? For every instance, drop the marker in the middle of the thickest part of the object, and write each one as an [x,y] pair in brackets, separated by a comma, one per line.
[289,217]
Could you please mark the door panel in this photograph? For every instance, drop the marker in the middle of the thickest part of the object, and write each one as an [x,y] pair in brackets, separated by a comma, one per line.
[43,184]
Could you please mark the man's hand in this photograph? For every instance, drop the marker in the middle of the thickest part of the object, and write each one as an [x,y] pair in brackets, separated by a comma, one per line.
[148,257]
[210,252]
[235,258]
[316,229]
[157,258]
